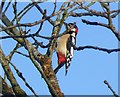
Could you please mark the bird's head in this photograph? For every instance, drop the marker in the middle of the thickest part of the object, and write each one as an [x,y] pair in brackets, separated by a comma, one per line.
[72,28]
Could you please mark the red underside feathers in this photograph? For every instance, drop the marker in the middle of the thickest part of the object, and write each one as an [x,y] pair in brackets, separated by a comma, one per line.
[61,58]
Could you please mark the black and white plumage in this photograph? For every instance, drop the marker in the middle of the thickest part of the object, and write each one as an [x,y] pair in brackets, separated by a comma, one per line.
[70,51]
[65,47]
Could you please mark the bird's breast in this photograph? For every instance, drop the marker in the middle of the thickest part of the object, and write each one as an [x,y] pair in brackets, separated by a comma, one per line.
[61,44]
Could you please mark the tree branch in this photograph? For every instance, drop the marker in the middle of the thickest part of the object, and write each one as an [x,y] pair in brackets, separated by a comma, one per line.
[6,89]
[24,10]
[7,6]
[96,48]
[95,13]
[22,54]
[105,81]
[41,11]
[16,88]
[94,23]
[13,51]
[39,21]
[50,79]
[111,27]
[23,78]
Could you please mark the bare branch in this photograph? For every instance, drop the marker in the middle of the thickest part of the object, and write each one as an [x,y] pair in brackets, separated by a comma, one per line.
[23,78]
[54,7]
[13,51]
[96,48]
[94,23]
[22,54]
[87,14]
[6,89]
[37,22]
[114,13]
[93,12]
[49,78]
[44,13]
[48,81]
[35,35]
[1,7]
[27,7]
[109,26]
[25,36]
[41,11]
[16,88]
[7,6]
[106,82]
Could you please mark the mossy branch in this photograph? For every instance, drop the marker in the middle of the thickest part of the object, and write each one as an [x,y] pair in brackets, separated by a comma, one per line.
[15,86]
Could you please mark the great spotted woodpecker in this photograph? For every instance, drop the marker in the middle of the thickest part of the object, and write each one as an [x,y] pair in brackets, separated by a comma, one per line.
[65,48]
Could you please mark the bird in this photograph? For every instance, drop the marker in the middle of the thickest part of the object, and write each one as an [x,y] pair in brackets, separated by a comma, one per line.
[64,48]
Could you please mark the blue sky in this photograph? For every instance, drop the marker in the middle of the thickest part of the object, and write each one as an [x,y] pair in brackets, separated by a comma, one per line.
[89,68]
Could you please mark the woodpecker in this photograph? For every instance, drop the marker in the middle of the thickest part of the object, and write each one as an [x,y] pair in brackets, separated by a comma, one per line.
[65,48]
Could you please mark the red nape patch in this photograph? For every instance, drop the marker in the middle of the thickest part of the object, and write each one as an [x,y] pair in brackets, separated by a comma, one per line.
[61,58]
[76,31]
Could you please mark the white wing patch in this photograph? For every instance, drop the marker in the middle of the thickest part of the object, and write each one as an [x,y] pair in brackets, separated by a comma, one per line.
[70,55]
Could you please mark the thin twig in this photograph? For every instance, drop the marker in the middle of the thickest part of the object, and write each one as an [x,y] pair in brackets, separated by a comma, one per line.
[22,54]
[55,6]
[106,82]
[25,36]
[41,23]
[115,14]
[13,51]
[94,23]
[109,26]
[92,12]
[1,7]
[29,24]
[7,6]
[33,35]
[41,11]
[24,10]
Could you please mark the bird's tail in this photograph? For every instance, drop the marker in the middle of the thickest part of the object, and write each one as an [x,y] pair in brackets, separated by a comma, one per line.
[66,68]
[66,72]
